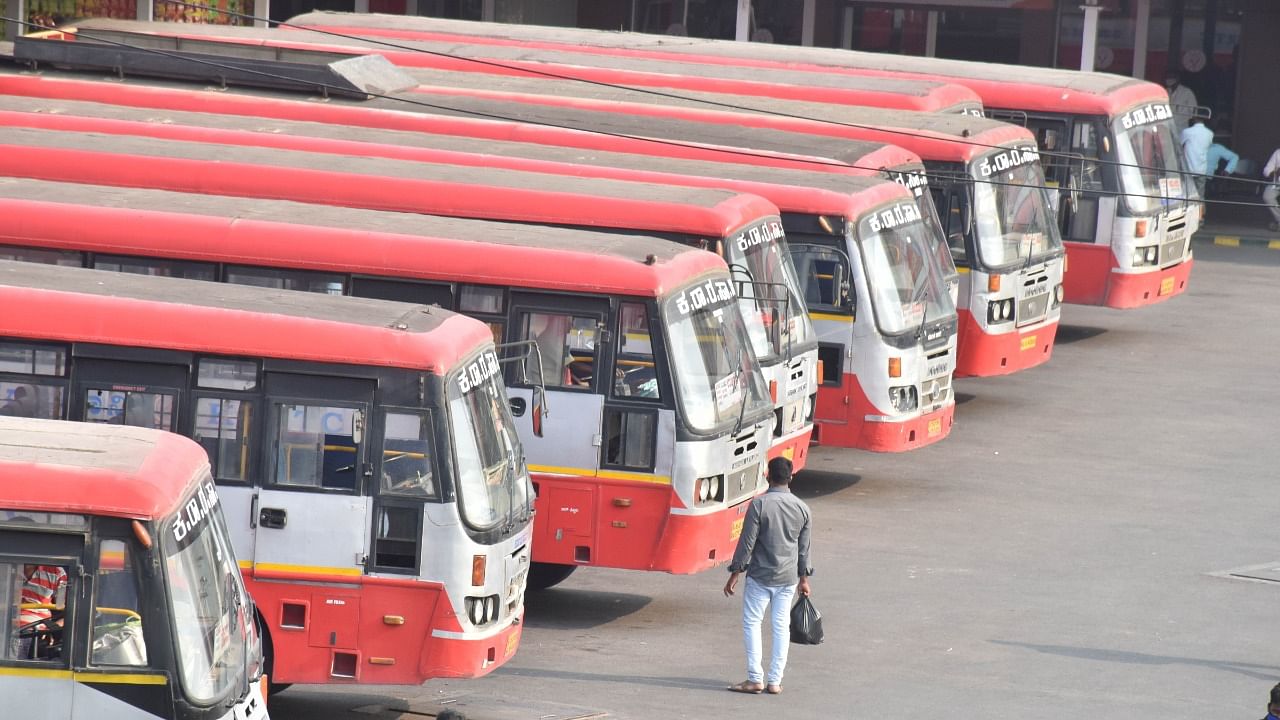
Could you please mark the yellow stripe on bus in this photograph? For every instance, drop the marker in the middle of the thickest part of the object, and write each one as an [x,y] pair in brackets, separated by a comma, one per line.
[89,677]
[962,270]
[606,474]
[307,569]
[829,316]
[1273,244]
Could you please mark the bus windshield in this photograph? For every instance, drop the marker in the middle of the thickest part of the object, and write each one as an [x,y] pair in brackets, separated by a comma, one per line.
[1014,223]
[211,615]
[493,486]
[907,287]
[1149,161]
[715,371]
[762,250]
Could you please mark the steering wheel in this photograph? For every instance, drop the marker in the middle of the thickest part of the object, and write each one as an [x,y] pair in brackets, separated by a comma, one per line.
[47,640]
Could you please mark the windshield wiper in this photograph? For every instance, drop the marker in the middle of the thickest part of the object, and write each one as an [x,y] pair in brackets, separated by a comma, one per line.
[924,313]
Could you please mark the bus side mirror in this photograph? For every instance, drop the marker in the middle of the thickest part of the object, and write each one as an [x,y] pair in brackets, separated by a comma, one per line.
[539,409]
[357,427]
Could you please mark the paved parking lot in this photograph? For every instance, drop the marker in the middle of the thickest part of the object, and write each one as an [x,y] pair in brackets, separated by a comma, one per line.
[1066,553]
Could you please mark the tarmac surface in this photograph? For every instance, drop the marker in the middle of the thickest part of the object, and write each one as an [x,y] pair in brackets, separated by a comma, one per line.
[1096,539]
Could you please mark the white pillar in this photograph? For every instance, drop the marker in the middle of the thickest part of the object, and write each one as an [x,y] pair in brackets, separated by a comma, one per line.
[262,9]
[487,12]
[807,22]
[146,10]
[743,32]
[1141,31]
[846,28]
[931,35]
[1089,43]
[410,7]
[361,6]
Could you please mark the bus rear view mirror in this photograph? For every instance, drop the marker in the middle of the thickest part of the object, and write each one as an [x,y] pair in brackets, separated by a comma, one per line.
[539,409]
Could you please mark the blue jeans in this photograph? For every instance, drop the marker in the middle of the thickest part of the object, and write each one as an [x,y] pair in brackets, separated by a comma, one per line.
[755,598]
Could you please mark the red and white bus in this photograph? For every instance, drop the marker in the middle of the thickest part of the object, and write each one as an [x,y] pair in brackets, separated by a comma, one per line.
[406,49]
[881,429]
[366,459]
[121,588]
[1127,209]
[662,416]
[744,229]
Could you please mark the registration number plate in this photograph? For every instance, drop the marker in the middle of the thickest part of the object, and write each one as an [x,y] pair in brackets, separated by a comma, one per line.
[1166,286]
[935,427]
[736,531]
[1028,342]
[512,643]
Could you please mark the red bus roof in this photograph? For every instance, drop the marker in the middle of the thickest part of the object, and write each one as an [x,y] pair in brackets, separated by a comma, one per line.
[674,138]
[378,183]
[999,86]
[73,305]
[95,469]
[249,231]
[933,136]
[172,96]
[461,55]
[795,191]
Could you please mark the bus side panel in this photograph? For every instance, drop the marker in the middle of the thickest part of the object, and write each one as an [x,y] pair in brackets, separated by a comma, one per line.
[633,518]
[1088,269]
[564,520]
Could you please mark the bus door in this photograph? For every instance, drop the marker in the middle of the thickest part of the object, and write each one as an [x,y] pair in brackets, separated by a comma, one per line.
[825,273]
[40,576]
[571,340]
[312,510]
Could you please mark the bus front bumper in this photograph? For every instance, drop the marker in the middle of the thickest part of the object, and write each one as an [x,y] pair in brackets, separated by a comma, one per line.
[452,655]
[794,447]
[983,354]
[1132,290]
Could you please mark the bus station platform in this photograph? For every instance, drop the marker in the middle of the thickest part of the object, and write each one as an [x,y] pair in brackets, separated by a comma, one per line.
[1240,221]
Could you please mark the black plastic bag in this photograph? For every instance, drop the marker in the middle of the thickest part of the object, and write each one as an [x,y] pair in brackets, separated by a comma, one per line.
[806,622]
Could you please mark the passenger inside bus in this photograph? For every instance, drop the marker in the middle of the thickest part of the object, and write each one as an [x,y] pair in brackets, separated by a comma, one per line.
[37,606]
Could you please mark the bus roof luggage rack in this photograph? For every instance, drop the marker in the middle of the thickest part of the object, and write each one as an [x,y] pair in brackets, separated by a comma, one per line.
[357,77]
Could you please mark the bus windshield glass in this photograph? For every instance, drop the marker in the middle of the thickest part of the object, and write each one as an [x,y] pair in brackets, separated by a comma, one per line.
[208,600]
[907,287]
[492,483]
[1148,157]
[715,371]
[916,180]
[1014,223]
[761,250]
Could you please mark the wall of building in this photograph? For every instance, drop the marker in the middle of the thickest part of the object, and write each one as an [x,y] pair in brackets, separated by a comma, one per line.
[1257,132]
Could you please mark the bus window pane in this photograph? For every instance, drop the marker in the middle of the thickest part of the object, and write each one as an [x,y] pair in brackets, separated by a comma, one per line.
[222,429]
[34,622]
[44,257]
[228,374]
[635,376]
[157,267]
[473,299]
[396,544]
[288,280]
[630,439]
[406,456]
[316,447]
[32,359]
[126,407]
[30,400]
[117,619]
[567,346]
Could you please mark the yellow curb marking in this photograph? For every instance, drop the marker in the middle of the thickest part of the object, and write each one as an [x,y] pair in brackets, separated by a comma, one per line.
[1227,241]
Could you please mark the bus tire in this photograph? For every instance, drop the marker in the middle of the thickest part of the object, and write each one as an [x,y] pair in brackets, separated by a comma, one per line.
[269,656]
[543,576]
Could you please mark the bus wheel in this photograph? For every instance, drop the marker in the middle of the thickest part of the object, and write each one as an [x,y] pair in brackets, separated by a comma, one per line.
[269,657]
[546,575]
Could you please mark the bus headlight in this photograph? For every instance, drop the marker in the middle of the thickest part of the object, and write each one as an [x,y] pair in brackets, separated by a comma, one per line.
[1058,294]
[999,311]
[904,398]
[809,405]
[1144,255]
[708,490]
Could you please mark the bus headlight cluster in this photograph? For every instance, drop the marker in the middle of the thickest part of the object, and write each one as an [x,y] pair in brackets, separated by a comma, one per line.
[904,398]
[482,611]
[1144,255]
[708,490]
[810,404]
[999,311]
[1058,294]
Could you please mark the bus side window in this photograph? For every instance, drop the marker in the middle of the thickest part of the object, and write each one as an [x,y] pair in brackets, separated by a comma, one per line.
[567,344]
[224,424]
[487,304]
[63,258]
[950,205]
[41,396]
[35,617]
[157,267]
[304,280]
[407,455]
[117,620]
[1086,176]
[636,375]
[129,407]
[316,446]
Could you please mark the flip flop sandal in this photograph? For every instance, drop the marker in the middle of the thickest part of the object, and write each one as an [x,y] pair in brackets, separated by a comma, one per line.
[773,689]
[746,686]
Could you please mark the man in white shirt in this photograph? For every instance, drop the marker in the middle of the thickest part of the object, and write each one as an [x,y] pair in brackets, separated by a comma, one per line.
[1182,100]
[1271,171]
[1196,140]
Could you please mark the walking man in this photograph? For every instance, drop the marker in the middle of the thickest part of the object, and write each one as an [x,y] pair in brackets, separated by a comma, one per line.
[1271,195]
[773,551]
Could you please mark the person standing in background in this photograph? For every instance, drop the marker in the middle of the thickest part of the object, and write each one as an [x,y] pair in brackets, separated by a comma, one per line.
[1196,140]
[1182,101]
[1271,172]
